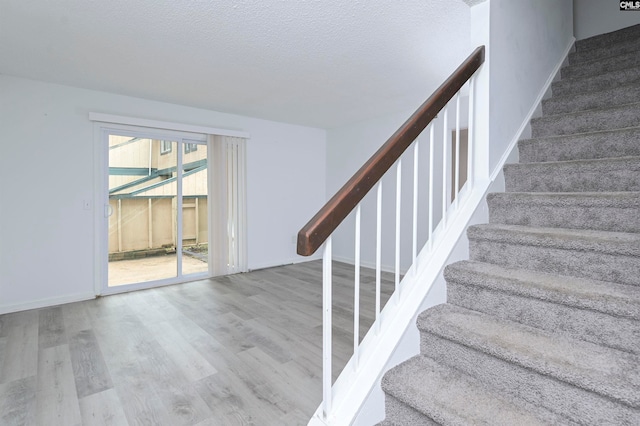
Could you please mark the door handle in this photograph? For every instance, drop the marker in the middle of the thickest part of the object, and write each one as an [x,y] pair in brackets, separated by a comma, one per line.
[108,210]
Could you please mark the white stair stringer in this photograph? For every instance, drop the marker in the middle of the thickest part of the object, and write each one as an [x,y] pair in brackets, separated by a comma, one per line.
[352,388]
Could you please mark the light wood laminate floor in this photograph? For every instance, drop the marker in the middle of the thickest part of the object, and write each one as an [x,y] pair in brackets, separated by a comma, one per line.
[237,350]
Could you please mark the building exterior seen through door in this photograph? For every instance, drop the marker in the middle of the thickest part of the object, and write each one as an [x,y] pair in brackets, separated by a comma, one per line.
[158,209]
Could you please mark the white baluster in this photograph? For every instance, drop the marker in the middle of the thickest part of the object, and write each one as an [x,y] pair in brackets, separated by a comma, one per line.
[431,176]
[356,294]
[457,169]
[326,327]
[471,134]
[378,252]
[445,140]
[398,201]
[414,250]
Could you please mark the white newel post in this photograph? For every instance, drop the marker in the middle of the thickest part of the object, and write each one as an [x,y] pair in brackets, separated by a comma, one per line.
[479,104]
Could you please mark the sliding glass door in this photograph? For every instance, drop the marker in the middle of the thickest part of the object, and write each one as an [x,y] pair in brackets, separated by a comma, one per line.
[195,209]
[158,221]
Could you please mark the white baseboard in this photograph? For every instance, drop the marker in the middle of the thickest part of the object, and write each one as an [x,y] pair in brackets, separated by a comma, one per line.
[44,303]
[371,265]
[290,261]
[79,297]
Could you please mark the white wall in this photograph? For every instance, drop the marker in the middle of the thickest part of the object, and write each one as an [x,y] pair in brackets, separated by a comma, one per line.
[351,145]
[47,169]
[528,39]
[348,148]
[593,17]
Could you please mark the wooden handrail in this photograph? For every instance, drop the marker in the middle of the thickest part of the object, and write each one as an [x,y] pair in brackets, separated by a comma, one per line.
[318,229]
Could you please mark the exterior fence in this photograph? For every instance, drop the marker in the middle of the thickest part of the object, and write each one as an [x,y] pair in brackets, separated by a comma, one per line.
[148,223]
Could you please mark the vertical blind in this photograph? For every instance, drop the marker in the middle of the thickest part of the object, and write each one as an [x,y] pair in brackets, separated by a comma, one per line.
[228,187]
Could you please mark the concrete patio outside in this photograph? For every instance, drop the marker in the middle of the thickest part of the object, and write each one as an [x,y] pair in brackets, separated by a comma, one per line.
[152,268]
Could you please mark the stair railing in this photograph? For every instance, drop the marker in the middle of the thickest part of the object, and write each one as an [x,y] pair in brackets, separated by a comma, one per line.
[318,231]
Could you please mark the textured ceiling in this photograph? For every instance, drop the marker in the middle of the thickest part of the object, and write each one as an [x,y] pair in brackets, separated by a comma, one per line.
[320,63]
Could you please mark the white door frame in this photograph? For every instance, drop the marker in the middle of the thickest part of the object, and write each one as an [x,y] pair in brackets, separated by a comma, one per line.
[157,130]
[102,131]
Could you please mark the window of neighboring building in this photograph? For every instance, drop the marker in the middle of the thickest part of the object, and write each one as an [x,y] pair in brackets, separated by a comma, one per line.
[165,147]
[190,147]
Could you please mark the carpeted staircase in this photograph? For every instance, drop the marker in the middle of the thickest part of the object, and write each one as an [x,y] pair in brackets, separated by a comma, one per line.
[542,325]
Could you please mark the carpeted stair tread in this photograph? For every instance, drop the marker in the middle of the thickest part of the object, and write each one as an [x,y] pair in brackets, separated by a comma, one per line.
[450,397]
[591,367]
[603,81]
[602,64]
[606,297]
[622,243]
[598,255]
[573,402]
[583,146]
[628,34]
[580,56]
[583,309]
[596,175]
[603,211]
[614,117]
[620,95]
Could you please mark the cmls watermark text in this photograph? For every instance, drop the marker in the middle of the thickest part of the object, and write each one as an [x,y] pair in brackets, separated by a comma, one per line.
[630,5]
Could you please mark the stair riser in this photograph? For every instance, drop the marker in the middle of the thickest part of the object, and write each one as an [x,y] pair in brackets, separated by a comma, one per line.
[614,181]
[606,40]
[508,212]
[616,300]
[400,414]
[578,263]
[596,67]
[593,100]
[591,326]
[622,143]
[513,380]
[534,179]
[606,81]
[421,387]
[628,46]
[587,121]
